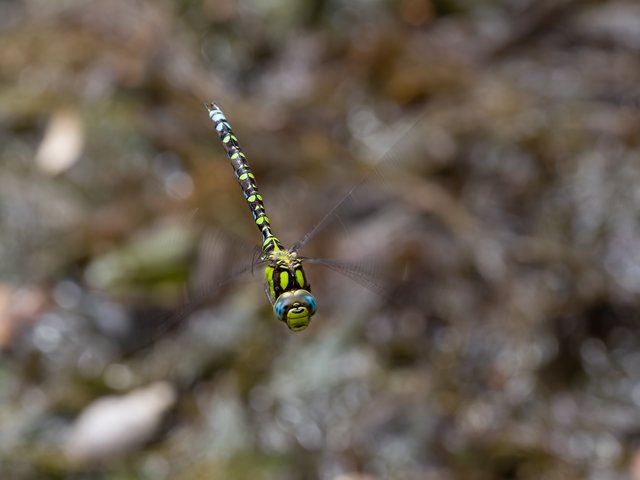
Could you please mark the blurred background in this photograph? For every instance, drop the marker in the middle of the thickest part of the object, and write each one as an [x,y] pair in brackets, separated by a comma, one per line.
[490,330]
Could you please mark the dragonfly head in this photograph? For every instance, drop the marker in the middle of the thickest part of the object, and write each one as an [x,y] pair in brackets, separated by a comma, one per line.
[295,308]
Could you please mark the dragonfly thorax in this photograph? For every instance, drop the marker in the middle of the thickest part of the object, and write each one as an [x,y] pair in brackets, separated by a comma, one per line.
[283,256]
[288,289]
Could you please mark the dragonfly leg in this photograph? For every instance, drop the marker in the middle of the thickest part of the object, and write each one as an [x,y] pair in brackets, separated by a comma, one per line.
[266,292]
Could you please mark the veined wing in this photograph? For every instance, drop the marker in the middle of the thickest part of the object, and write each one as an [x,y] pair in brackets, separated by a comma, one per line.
[366,274]
[374,215]
[221,260]
[392,155]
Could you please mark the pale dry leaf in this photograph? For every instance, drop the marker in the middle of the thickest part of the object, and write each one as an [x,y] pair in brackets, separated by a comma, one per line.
[62,143]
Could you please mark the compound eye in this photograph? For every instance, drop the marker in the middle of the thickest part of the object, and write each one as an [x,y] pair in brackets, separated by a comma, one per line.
[305,298]
[282,305]
[295,309]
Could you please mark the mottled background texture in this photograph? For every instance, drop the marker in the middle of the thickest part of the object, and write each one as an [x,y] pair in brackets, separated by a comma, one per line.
[487,327]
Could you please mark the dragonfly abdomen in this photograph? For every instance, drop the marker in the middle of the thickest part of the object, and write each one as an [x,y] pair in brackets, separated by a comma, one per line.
[246,179]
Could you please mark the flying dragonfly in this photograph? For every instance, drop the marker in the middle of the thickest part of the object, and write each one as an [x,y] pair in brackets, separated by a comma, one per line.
[286,284]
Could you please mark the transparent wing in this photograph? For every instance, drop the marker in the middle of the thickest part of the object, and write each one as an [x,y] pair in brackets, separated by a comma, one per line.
[366,275]
[376,175]
[379,219]
[221,260]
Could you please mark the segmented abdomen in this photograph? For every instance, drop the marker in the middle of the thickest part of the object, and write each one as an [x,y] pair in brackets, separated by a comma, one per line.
[245,178]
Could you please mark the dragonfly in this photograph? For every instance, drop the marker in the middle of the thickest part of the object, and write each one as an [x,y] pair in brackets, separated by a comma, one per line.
[286,284]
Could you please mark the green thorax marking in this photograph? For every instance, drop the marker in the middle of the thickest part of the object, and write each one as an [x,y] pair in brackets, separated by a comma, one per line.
[284,273]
